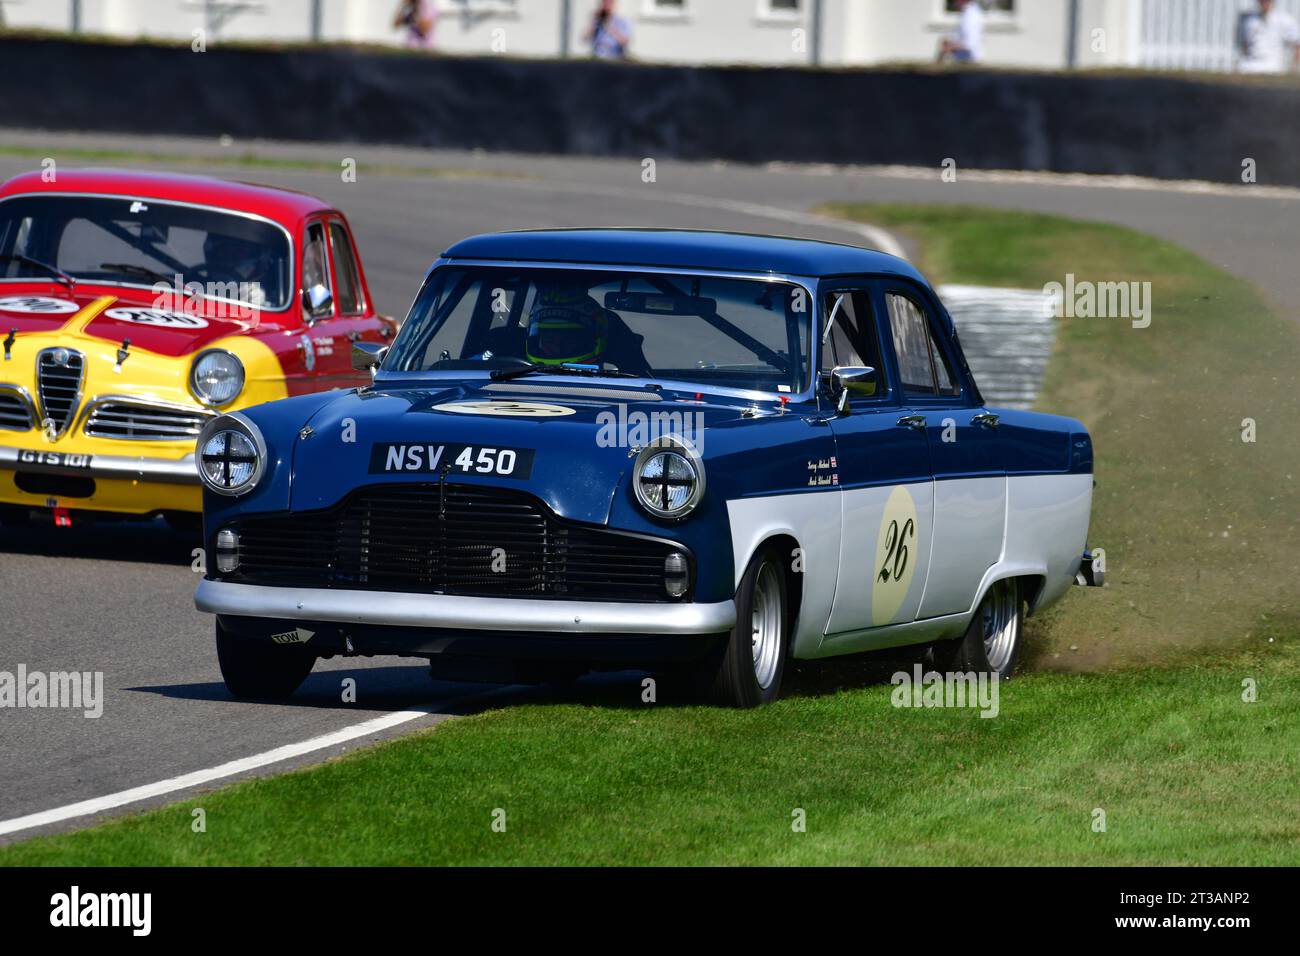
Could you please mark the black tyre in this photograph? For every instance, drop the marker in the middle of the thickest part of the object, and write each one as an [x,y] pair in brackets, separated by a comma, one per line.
[991,644]
[260,670]
[15,516]
[747,670]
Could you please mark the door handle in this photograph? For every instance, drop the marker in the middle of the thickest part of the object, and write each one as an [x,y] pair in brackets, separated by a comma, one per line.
[987,419]
[913,421]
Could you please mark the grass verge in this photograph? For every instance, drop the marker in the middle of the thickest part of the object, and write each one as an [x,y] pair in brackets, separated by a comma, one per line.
[1184,770]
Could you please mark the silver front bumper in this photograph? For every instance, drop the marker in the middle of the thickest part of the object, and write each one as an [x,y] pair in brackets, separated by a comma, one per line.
[463,613]
[181,471]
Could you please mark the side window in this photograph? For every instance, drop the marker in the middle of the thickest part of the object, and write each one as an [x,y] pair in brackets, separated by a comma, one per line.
[315,271]
[921,364]
[852,333]
[345,271]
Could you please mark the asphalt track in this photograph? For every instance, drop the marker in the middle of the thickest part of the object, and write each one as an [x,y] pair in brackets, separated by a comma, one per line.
[117,598]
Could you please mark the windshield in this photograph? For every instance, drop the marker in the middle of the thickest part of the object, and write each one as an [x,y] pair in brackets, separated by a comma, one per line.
[145,243]
[736,333]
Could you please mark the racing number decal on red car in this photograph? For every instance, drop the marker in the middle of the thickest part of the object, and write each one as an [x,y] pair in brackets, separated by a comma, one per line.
[453,459]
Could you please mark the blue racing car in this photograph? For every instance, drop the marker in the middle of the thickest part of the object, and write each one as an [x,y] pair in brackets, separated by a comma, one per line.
[702,453]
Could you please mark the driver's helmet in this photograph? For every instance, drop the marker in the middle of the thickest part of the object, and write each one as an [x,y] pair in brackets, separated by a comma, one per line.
[236,258]
[566,325]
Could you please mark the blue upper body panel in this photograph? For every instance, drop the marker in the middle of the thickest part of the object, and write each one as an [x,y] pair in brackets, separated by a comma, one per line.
[683,249]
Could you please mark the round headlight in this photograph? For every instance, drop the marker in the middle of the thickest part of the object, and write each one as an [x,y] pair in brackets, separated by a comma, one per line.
[668,478]
[217,377]
[231,455]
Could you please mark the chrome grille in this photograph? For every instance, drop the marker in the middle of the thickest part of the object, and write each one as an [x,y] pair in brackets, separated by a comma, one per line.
[58,383]
[445,539]
[143,421]
[15,410]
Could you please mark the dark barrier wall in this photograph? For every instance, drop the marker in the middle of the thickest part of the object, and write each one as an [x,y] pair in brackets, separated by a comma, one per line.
[1128,124]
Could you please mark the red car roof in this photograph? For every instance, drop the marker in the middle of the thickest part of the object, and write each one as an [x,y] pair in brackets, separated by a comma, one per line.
[282,205]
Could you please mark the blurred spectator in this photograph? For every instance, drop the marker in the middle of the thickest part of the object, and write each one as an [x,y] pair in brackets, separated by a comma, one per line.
[966,45]
[417,18]
[1268,40]
[609,34]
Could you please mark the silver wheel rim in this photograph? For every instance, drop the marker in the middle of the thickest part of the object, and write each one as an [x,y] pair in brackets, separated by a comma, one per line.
[1001,621]
[766,626]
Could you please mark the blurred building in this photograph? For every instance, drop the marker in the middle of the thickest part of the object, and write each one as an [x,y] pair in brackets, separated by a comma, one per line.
[1043,34]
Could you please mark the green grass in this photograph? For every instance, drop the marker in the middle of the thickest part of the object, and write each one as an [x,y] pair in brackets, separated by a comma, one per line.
[247,160]
[1185,770]
[1201,530]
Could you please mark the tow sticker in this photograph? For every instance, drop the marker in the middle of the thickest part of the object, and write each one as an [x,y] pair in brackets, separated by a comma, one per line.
[38,305]
[158,317]
[895,557]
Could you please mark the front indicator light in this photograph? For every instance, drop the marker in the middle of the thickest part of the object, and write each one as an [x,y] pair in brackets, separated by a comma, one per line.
[677,576]
[227,551]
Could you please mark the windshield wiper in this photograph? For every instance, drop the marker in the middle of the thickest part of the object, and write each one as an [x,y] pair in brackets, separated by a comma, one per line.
[565,368]
[133,270]
[54,271]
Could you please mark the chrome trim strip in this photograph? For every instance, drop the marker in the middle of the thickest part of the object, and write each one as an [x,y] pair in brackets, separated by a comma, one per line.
[181,471]
[457,612]
[293,262]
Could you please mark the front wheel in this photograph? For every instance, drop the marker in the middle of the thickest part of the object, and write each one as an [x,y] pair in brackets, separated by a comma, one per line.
[260,670]
[752,661]
[991,643]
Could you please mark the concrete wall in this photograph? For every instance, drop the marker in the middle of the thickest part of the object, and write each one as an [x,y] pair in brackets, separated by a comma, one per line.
[1139,124]
[1175,34]
[854,32]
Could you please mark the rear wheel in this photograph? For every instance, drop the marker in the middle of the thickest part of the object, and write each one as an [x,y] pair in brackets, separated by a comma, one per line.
[991,643]
[749,668]
[260,670]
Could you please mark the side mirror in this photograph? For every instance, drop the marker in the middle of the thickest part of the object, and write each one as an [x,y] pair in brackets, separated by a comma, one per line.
[852,380]
[317,300]
[368,356]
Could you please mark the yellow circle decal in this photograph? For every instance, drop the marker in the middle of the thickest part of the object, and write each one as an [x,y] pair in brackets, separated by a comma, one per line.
[895,557]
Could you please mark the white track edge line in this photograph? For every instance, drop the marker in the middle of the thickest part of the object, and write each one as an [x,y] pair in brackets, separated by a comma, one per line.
[199,777]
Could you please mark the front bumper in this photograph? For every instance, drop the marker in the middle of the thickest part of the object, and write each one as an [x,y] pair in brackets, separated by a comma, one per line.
[459,613]
[182,471]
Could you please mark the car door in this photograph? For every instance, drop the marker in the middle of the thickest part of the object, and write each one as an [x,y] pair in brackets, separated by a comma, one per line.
[323,345]
[356,319]
[883,468]
[970,484]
